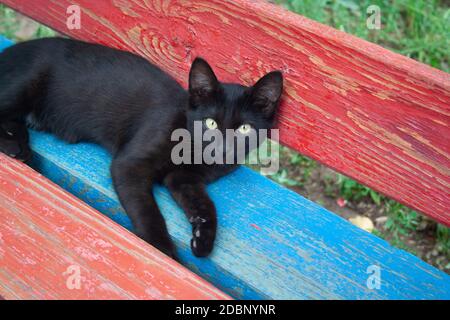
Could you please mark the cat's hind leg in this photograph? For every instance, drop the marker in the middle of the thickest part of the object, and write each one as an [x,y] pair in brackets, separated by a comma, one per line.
[14,140]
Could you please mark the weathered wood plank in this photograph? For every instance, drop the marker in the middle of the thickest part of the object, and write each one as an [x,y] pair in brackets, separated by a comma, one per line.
[47,236]
[376,116]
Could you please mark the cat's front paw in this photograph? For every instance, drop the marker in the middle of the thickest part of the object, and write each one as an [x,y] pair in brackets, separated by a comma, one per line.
[14,141]
[203,236]
[15,149]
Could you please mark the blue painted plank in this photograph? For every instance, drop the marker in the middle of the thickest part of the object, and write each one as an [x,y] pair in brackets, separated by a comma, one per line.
[271,243]
[4,43]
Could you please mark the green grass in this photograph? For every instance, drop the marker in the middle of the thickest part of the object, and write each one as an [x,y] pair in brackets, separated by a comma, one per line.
[9,26]
[353,191]
[44,32]
[443,238]
[306,164]
[415,28]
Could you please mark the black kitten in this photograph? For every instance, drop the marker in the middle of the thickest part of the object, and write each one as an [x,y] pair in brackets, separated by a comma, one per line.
[87,92]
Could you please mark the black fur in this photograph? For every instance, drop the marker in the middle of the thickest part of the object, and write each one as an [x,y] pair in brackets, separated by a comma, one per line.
[87,92]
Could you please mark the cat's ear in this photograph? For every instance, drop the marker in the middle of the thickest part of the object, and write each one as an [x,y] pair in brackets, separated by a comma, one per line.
[266,93]
[202,80]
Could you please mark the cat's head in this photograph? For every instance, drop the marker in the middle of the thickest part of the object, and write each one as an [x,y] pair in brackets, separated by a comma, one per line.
[221,106]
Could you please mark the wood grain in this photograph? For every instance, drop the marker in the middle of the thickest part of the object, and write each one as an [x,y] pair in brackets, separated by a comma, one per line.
[373,115]
[47,235]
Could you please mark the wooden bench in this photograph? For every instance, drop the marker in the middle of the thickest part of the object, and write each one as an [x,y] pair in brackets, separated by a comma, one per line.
[376,116]
[48,237]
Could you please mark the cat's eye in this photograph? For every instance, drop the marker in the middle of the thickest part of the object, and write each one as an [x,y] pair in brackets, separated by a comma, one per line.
[211,124]
[245,128]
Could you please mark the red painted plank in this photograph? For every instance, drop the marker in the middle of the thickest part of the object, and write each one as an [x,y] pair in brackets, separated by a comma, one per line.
[376,116]
[47,236]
